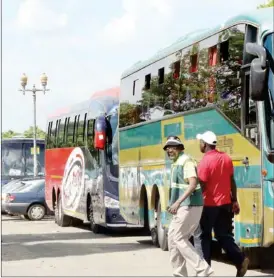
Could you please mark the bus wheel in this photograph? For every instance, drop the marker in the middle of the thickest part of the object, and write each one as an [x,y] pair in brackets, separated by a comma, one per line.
[154,237]
[61,219]
[96,229]
[253,254]
[161,231]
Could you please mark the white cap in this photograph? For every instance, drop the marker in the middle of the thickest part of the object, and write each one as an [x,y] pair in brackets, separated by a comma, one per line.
[208,137]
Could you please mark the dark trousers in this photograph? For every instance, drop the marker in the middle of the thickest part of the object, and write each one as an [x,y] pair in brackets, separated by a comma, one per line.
[220,220]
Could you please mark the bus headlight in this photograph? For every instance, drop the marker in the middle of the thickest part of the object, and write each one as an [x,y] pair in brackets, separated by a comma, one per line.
[111,203]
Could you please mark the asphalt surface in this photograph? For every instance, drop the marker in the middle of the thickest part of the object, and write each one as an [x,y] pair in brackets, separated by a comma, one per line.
[43,249]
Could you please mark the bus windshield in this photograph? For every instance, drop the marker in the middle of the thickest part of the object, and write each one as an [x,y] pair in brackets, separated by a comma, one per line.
[269,105]
[112,149]
[269,45]
[17,158]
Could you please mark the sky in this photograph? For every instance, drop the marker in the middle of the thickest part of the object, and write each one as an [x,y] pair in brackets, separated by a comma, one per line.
[83,46]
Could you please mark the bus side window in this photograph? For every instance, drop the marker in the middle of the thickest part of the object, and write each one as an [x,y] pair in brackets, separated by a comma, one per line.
[57,133]
[48,139]
[90,134]
[53,134]
[61,133]
[81,130]
[90,140]
[70,132]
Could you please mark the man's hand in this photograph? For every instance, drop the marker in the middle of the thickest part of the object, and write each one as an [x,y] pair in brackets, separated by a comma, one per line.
[235,207]
[173,209]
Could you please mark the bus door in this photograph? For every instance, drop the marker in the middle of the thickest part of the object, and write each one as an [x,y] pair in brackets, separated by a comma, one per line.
[99,135]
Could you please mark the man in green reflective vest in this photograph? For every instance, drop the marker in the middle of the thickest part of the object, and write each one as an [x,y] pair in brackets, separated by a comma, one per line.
[186,206]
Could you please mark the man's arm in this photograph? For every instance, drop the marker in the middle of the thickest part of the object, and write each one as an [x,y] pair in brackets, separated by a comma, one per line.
[233,189]
[202,170]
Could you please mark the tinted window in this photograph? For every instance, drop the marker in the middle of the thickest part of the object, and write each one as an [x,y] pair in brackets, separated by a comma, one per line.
[210,72]
[81,129]
[12,159]
[29,151]
[90,139]
[112,145]
[33,186]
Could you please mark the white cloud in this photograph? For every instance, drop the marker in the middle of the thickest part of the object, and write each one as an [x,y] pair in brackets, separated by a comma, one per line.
[122,29]
[35,15]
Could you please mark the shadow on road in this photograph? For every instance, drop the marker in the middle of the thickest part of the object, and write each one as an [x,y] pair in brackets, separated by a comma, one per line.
[26,238]
[59,249]
[18,218]
[264,258]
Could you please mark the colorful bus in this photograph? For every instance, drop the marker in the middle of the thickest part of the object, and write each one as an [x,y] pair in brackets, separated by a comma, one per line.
[82,162]
[17,158]
[218,79]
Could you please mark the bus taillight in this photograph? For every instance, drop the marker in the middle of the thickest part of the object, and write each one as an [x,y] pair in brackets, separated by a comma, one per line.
[100,133]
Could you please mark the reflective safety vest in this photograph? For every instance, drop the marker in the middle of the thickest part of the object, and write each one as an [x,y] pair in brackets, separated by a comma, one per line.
[178,184]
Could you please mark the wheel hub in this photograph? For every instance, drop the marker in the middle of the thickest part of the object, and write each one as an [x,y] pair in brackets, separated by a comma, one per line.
[37,212]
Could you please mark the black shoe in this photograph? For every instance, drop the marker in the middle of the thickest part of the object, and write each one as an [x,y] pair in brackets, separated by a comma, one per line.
[242,269]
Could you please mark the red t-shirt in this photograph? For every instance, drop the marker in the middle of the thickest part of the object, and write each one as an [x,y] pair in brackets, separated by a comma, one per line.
[215,170]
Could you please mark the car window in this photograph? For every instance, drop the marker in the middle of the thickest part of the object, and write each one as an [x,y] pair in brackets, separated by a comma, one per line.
[34,186]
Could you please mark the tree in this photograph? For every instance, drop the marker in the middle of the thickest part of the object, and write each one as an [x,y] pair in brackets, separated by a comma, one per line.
[266,5]
[39,133]
[9,134]
[27,133]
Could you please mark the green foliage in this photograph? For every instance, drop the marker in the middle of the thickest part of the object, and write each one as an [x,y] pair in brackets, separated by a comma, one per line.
[40,134]
[267,5]
[9,134]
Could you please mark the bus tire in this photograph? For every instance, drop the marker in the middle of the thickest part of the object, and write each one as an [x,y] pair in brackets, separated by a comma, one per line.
[76,222]
[95,228]
[253,254]
[62,220]
[161,231]
[154,237]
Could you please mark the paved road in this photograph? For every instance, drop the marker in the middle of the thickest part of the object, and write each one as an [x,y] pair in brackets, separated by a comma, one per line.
[44,249]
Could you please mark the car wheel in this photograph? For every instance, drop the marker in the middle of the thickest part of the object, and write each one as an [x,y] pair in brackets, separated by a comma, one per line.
[36,212]
[25,216]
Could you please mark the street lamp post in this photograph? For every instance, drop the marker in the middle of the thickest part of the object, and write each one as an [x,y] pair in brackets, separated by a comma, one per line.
[44,81]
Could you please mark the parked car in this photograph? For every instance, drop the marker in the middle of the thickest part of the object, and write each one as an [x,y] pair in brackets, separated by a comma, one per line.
[28,200]
[12,186]
[8,187]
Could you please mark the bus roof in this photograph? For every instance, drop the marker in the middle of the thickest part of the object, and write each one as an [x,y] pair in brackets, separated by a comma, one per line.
[114,92]
[260,17]
[111,93]
[23,139]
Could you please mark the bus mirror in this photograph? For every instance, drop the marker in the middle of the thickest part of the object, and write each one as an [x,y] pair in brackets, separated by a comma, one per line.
[258,72]
[100,133]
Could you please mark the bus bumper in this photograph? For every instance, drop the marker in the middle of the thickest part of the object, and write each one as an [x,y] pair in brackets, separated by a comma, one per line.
[115,220]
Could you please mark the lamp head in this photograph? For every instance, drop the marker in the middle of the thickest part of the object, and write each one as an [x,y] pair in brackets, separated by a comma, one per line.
[24,80]
[44,80]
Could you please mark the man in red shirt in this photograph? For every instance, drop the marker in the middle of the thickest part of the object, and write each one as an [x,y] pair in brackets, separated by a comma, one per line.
[216,176]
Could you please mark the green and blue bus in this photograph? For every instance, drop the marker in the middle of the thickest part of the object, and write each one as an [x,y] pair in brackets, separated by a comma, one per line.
[218,79]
